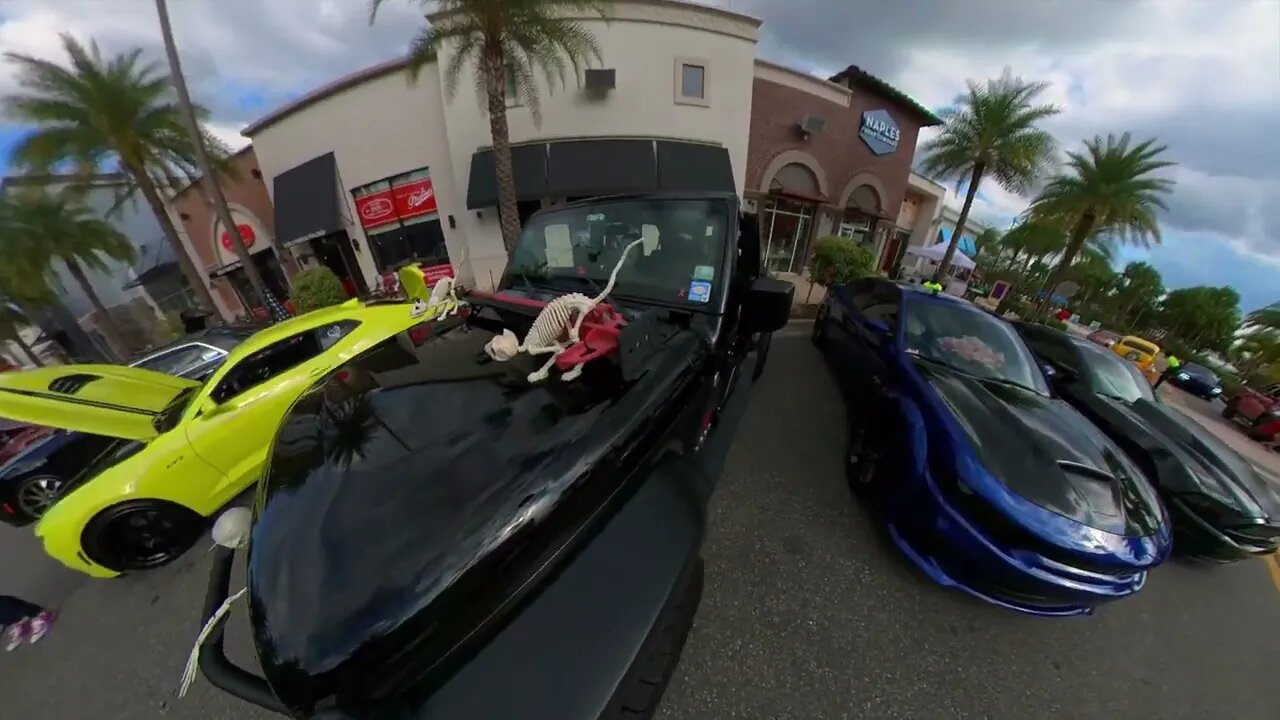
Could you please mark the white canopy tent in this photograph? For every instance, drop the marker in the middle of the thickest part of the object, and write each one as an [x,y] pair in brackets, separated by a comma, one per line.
[935,253]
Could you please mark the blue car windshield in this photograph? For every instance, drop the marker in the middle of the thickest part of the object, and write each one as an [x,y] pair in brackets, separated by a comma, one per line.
[971,341]
[679,259]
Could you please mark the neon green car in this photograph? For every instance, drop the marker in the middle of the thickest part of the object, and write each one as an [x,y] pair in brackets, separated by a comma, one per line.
[184,448]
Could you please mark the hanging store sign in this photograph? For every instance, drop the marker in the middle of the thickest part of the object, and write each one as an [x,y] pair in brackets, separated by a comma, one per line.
[879,132]
[247,237]
[414,198]
[376,209]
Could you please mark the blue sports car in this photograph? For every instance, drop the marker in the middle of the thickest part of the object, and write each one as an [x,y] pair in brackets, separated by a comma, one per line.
[987,482]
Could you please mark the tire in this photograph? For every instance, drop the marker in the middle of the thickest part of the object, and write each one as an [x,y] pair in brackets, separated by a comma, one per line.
[1228,412]
[762,355]
[141,535]
[819,334]
[37,494]
[859,460]
[640,692]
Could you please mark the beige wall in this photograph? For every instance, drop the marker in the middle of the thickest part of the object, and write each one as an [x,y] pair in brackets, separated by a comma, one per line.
[375,129]
[641,41]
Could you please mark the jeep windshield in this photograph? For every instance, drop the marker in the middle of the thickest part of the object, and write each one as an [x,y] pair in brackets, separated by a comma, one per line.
[679,261]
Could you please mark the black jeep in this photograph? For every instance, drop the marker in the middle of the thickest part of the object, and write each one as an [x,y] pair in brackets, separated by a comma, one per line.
[437,537]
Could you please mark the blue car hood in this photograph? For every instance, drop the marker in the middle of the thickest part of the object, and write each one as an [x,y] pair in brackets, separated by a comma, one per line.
[1045,451]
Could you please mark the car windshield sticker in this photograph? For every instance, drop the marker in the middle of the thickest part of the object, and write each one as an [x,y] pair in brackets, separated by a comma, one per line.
[704,272]
[700,291]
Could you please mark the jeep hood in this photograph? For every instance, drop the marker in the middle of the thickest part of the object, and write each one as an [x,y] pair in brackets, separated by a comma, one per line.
[110,400]
[1190,459]
[417,495]
[1046,452]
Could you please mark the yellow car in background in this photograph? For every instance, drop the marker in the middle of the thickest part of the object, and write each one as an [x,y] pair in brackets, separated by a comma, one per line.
[1137,351]
[182,449]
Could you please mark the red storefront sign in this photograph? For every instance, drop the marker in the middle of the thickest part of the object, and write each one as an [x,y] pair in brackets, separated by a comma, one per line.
[376,209]
[247,236]
[433,273]
[414,198]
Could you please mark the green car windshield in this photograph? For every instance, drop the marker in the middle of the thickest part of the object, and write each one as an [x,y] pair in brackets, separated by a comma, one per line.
[679,259]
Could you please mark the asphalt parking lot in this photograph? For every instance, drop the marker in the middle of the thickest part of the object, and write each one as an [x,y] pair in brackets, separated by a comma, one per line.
[808,613]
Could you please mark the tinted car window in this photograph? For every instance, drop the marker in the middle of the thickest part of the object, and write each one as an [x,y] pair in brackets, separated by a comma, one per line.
[1051,346]
[1200,372]
[281,357]
[181,360]
[877,301]
[1109,374]
[971,341]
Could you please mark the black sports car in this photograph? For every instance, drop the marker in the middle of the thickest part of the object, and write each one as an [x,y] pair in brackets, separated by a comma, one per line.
[1197,380]
[440,536]
[1222,509]
[32,480]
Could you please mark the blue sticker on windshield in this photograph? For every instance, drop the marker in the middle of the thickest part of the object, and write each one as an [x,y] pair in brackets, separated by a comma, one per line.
[699,291]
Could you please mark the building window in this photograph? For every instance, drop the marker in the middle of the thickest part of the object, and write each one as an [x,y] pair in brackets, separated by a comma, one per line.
[421,241]
[691,81]
[784,231]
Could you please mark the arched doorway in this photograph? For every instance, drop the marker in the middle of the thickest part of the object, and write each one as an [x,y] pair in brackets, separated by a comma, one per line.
[861,213]
[787,221]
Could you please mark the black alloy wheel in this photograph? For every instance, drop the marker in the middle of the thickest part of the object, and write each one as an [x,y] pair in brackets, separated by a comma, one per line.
[37,494]
[141,535]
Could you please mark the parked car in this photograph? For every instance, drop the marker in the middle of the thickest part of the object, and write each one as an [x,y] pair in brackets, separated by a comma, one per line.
[1258,410]
[1105,338]
[987,482]
[1141,353]
[429,515]
[30,485]
[16,437]
[1197,380]
[177,450]
[1221,508]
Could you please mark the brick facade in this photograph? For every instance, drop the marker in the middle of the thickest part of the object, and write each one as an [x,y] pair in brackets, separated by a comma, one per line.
[775,111]
[196,215]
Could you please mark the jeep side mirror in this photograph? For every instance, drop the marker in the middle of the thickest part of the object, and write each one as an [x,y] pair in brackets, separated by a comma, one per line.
[768,305]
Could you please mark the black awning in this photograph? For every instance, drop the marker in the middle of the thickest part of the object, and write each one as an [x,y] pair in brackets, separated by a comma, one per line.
[693,167]
[528,165]
[601,167]
[306,200]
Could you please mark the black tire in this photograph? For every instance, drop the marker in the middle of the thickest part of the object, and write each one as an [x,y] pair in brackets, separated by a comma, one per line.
[1228,412]
[640,692]
[762,355]
[859,459]
[819,334]
[37,494]
[141,535]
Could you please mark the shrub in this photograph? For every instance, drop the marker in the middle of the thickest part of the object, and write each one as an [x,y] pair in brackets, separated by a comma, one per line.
[837,261]
[315,288]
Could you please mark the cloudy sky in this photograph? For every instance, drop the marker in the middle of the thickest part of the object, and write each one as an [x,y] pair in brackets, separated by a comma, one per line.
[1202,76]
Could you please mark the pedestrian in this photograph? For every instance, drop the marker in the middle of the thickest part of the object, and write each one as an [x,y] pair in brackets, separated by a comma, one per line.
[1170,368]
[23,620]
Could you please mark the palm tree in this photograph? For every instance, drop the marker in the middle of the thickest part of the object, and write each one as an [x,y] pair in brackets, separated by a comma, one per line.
[507,41]
[198,141]
[12,321]
[114,113]
[990,132]
[1268,317]
[45,227]
[1109,190]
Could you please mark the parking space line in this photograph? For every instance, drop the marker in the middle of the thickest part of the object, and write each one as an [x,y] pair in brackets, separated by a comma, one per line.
[1273,566]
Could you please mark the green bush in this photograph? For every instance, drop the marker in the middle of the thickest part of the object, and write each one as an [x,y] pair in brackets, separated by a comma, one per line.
[838,261]
[315,288]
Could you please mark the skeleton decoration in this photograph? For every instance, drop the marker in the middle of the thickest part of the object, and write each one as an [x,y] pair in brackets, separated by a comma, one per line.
[436,303]
[557,328]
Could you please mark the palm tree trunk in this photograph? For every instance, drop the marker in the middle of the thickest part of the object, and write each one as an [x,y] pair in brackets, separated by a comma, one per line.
[202,157]
[195,278]
[495,87]
[972,192]
[1083,227]
[26,349]
[105,323]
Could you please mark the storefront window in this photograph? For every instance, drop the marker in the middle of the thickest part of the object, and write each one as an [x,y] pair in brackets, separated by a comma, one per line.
[785,234]
[421,241]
